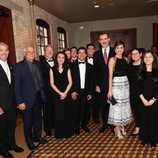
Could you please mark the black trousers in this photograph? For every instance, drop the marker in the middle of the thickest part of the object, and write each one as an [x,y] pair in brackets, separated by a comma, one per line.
[80,110]
[136,104]
[32,118]
[101,106]
[48,110]
[7,129]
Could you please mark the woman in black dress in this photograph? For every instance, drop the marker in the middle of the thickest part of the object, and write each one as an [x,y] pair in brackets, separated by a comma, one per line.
[133,77]
[148,93]
[61,82]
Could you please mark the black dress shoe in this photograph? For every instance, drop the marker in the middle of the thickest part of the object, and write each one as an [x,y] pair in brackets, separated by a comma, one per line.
[31,146]
[102,129]
[48,133]
[17,149]
[135,134]
[6,154]
[77,131]
[86,129]
[41,140]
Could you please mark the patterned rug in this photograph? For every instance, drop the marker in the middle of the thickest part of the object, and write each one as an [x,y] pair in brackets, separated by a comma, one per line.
[95,145]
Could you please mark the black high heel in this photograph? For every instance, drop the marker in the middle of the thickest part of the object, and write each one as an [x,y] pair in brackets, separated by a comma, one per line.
[153,145]
[142,144]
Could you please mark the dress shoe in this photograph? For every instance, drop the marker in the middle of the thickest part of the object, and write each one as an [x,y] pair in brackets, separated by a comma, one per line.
[6,154]
[102,129]
[77,131]
[31,146]
[142,144]
[17,149]
[48,133]
[86,129]
[135,134]
[41,140]
[153,145]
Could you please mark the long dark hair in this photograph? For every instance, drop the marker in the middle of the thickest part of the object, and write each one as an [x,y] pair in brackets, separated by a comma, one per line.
[142,70]
[65,65]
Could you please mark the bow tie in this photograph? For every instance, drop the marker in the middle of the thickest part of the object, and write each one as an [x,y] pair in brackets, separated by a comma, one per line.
[90,57]
[50,60]
[81,62]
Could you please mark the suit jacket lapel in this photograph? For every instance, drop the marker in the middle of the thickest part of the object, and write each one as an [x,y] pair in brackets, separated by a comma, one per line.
[4,74]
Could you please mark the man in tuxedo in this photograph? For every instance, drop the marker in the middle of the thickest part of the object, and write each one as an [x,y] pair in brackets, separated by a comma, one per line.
[7,107]
[47,63]
[29,94]
[82,89]
[101,58]
[73,52]
[89,59]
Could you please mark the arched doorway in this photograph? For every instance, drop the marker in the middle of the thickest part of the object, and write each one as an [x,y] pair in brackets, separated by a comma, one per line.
[6,32]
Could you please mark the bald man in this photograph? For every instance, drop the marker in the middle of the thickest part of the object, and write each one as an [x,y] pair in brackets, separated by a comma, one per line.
[29,94]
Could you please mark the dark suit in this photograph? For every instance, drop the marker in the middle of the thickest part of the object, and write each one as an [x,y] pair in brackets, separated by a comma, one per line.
[25,92]
[101,80]
[80,108]
[8,118]
[48,106]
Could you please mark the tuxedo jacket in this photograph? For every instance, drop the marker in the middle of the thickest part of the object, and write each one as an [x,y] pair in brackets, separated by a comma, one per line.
[24,88]
[46,76]
[89,78]
[6,91]
[101,69]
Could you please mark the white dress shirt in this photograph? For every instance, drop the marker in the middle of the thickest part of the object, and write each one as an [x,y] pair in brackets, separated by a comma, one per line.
[5,67]
[82,70]
[107,51]
[90,60]
[50,62]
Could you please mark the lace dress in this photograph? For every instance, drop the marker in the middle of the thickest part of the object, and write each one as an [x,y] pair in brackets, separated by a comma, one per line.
[120,114]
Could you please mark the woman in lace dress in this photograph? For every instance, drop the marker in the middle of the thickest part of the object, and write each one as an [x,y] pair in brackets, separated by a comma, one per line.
[119,114]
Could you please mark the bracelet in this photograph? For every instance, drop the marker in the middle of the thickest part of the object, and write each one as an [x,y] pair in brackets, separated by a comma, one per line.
[153,99]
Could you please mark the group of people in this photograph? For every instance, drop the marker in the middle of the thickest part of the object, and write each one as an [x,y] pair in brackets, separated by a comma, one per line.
[70,85]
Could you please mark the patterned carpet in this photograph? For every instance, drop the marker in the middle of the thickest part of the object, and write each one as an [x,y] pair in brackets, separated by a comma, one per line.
[95,145]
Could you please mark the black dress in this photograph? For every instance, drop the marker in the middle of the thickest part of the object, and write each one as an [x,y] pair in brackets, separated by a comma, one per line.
[62,108]
[134,98]
[149,114]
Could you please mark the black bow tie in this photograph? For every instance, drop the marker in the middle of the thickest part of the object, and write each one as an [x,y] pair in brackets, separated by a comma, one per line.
[81,62]
[50,60]
[90,57]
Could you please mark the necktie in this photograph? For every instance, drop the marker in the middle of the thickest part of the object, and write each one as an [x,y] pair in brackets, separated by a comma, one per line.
[90,57]
[36,76]
[81,62]
[50,60]
[105,56]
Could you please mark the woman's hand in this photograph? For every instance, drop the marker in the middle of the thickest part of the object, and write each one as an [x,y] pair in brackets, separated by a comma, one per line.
[109,95]
[63,95]
[151,102]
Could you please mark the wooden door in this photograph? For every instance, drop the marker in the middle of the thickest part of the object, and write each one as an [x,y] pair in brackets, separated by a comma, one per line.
[6,32]
[128,36]
[155,34]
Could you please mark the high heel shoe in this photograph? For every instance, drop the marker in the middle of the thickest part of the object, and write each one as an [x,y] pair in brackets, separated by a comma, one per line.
[118,134]
[123,131]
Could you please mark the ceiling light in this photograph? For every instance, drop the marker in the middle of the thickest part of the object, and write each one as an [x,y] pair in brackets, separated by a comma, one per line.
[96,6]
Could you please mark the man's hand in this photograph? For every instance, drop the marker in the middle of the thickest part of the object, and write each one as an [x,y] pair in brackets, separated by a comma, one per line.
[1,111]
[22,106]
[89,97]
[97,89]
[74,95]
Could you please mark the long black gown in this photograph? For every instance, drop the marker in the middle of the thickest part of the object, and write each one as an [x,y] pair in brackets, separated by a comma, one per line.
[62,108]
[149,114]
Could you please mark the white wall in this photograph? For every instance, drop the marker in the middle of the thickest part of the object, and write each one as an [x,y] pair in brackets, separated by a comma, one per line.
[144,25]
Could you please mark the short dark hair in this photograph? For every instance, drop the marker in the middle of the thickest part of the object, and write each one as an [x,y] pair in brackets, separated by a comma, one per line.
[90,44]
[82,48]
